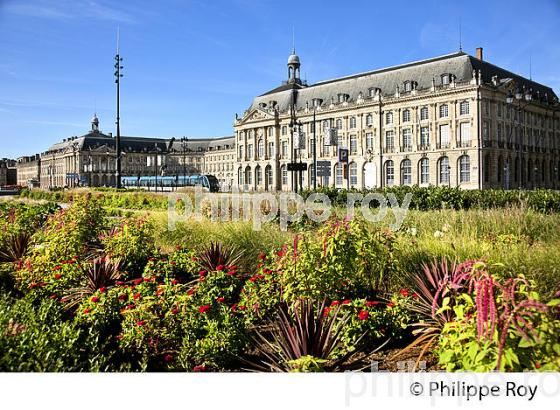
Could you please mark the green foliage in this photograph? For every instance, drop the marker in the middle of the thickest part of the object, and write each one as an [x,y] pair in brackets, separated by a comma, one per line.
[133,242]
[461,349]
[69,232]
[39,338]
[342,260]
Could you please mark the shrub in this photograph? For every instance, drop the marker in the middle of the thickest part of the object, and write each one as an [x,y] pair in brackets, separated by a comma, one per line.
[133,242]
[38,338]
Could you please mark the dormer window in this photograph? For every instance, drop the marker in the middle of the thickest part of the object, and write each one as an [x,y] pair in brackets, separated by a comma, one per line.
[317,102]
[447,78]
[407,86]
[343,98]
[262,105]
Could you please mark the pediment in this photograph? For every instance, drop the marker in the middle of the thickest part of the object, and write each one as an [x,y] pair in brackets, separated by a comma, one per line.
[257,114]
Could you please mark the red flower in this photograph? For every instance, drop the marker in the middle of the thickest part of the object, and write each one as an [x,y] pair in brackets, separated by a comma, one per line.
[220,299]
[120,283]
[371,303]
[537,365]
[172,263]
[53,296]
[335,303]
[168,358]
[102,290]
[191,291]
[220,267]
[86,311]
[138,281]
[123,296]
[95,299]
[231,273]
[204,308]
[235,307]
[363,315]
[141,322]
[57,276]
[174,281]
[415,295]
[281,253]
[178,248]
[174,310]
[199,368]
[326,311]
[202,273]
[136,296]
[346,301]
[404,292]
[262,256]
[390,305]
[57,267]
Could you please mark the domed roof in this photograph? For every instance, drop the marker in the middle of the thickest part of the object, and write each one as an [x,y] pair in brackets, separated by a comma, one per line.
[95,120]
[293,59]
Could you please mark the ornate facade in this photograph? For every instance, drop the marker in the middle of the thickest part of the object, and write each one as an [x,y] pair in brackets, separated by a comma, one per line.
[453,120]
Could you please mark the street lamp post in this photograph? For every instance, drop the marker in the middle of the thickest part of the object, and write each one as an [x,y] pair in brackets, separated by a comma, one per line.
[522,100]
[118,76]
[184,146]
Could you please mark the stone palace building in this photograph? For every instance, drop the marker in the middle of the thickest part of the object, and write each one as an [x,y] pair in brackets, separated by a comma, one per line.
[454,120]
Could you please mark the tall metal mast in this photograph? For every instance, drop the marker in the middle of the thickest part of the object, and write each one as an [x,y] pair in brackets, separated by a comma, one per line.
[118,76]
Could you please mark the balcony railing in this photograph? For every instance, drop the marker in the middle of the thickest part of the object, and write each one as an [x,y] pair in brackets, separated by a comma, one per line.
[445,145]
[423,147]
[464,144]
[387,150]
[406,148]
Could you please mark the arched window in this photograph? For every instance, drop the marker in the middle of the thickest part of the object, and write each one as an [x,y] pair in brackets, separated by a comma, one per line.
[424,113]
[443,111]
[284,130]
[339,173]
[369,119]
[248,176]
[353,170]
[353,144]
[269,182]
[339,124]
[240,176]
[389,173]
[406,172]
[325,125]
[284,173]
[444,169]
[388,118]
[406,115]
[258,175]
[424,171]
[464,108]
[464,169]
[352,122]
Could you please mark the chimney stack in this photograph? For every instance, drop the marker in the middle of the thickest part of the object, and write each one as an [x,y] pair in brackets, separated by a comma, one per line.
[479,53]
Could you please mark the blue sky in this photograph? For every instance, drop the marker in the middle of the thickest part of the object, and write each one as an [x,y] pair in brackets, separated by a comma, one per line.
[189,66]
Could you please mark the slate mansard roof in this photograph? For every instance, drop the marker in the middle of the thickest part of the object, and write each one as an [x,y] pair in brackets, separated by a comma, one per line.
[423,72]
[96,141]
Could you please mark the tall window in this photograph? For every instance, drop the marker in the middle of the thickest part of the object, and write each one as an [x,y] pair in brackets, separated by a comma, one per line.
[271,149]
[388,118]
[465,134]
[369,119]
[390,140]
[407,139]
[339,124]
[406,172]
[241,152]
[352,122]
[444,170]
[258,175]
[423,113]
[464,108]
[284,130]
[248,176]
[353,144]
[485,131]
[389,173]
[499,132]
[465,169]
[250,151]
[406,115]
[424,171]
[240,175]
[260,148]
[268,176]
[369,140]
[339,172]
[284,149]
[353,169]
[443,111]
[444,136]
[284,172]
[424,137]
